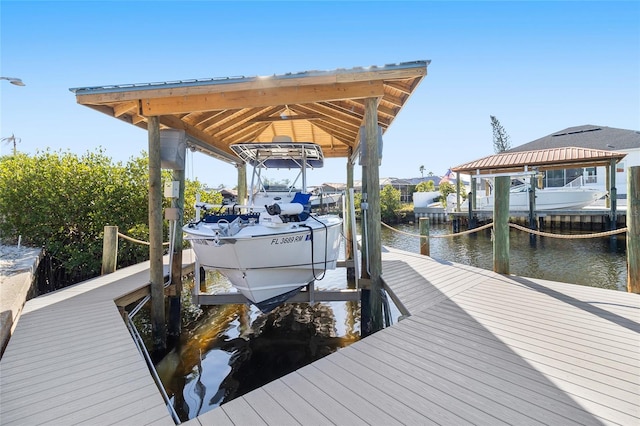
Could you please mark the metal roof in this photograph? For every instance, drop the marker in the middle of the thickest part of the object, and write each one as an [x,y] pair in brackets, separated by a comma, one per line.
[542,159]
[323,107]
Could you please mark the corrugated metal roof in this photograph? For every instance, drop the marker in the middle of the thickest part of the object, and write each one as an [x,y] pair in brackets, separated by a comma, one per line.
[543,159]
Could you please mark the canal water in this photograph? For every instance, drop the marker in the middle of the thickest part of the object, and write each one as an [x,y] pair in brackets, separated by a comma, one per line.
[227,351]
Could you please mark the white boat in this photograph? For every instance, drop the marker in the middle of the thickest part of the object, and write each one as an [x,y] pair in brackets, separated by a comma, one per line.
[425,199]
[571,196]
[274,246]
[325,199]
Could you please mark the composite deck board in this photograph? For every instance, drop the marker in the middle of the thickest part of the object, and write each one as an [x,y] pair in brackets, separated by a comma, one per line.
[552,316]
[388,391]
[71,360]
[369,411]
[477,348]
[356,385]
[538,393]
[270,410]
[294,404]
[593,344]
[330,407]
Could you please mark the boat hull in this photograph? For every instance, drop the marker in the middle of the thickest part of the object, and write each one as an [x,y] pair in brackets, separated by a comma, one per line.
[263,262]
[546,199]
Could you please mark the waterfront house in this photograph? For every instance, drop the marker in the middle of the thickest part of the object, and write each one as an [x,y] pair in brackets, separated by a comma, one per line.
[590,137]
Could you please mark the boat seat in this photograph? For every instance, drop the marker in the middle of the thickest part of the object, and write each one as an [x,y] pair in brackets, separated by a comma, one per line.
[303,199]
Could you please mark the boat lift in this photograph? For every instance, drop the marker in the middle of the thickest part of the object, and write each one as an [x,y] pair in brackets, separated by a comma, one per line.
[310,294]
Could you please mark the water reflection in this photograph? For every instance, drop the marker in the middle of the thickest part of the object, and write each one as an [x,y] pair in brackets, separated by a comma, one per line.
[231,350]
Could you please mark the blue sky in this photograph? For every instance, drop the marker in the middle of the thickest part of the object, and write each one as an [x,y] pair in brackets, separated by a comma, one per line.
[539,67]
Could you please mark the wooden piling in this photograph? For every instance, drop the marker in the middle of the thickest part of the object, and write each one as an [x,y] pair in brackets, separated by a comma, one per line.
[633,229]
[501,225]
[532,209]
[109,250]
[175,300]
[348,247]
[156,279]
[242,183]
[424,236]
[371,175]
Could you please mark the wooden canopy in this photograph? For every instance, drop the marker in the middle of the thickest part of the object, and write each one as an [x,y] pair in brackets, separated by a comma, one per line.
[324,107]
[543,159]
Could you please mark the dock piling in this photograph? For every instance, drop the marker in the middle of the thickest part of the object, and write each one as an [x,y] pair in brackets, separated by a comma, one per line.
[633,229]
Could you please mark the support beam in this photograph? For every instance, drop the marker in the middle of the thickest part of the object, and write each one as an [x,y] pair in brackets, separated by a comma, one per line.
[260,98]
[159,332]
[175,300]
[242,183]
[371,175]
[501,225]
[633,229]
[349,255]
[533,224]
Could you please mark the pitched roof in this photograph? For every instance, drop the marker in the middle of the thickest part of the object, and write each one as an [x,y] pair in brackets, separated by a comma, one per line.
[542,159]
[324,107]
[586,136]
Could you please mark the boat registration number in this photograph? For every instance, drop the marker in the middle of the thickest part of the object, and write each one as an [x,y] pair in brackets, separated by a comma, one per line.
[288,240]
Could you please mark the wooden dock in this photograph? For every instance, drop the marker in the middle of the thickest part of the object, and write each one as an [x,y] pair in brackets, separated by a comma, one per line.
[477,348]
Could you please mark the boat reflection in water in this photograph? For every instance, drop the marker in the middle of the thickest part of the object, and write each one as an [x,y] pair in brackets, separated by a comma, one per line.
[233,349]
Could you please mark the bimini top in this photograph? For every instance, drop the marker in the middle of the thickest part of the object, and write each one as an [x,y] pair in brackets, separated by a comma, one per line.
[280,155]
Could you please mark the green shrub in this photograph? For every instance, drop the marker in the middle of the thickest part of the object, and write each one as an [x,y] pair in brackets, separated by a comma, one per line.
[61,202]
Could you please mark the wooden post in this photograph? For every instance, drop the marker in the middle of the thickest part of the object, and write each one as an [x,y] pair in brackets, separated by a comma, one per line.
[633,229]
[348,247]
[242,183]
[472,197]
[424,236]
[613,192]
[501,225]
[372,221]
[175,300]
[607,184]
[156,279]
[458,189]
[110,250]
[532,209]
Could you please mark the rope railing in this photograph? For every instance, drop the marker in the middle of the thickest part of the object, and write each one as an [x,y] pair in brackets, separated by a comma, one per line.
[134,240]
[518,227]
[470,231]
[568,237]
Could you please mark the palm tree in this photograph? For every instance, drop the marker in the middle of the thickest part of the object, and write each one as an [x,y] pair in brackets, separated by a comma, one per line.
[12,140]
[422,171]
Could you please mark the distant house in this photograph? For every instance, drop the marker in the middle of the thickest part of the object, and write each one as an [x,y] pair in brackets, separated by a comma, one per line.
[592,137]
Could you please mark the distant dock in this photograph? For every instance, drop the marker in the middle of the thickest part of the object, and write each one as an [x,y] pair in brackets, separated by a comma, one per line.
[591,218]
[477,347]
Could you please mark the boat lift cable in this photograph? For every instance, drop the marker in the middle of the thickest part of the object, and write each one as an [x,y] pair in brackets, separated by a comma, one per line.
[326,242]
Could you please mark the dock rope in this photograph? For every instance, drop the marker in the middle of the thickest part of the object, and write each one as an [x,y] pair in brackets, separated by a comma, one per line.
[457,234]
[126,237]
[518,227]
